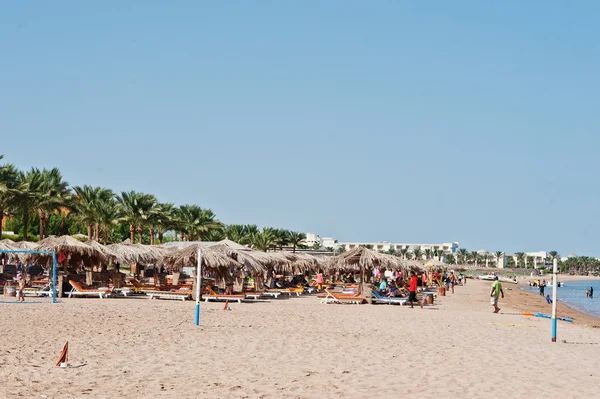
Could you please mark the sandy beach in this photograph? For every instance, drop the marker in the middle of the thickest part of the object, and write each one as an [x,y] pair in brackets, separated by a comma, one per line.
[293,348]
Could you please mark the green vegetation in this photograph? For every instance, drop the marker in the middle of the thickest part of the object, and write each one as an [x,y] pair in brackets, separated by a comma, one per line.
[43,196]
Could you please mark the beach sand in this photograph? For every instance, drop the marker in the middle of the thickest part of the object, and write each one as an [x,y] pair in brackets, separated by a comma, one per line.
[293,348]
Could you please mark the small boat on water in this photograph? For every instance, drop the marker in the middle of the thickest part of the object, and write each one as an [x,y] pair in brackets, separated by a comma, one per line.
[491,277]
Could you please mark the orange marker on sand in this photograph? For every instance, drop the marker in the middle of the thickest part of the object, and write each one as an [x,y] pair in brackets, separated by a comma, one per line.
[64,355]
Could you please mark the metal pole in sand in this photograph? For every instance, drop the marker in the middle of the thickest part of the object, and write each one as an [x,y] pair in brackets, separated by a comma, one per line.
[554,287]
[53,277]
[198,283]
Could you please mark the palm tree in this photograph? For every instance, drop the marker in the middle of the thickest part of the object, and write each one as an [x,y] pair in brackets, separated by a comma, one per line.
[418,254]
[498,255]
[109,214]
[236,232]
[462,255]
[87,203]
[428,253]
[196,222]
[474,257]
[530,261]
[164,220]
[295,239]
[8,181]
[54,195]
[404,252]
[552,255]
[136,211]
[520,258]
[26,194]
[263,240]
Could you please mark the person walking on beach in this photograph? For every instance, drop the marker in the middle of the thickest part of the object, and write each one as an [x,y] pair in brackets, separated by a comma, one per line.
[542,289]
[320,280]
[412,290]
[495,293]
[591,292]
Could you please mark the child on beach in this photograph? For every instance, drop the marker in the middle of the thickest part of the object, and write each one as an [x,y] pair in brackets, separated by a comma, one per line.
[548,299]
[320,280]
[20,288]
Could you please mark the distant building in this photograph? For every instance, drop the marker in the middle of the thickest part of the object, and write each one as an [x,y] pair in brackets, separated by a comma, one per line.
[312,239]
[539,258]
[385,246]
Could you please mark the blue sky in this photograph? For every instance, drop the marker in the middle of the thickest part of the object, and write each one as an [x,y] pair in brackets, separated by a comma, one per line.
[404,121]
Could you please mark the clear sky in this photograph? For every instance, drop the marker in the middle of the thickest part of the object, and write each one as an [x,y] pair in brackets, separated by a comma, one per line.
[409,121]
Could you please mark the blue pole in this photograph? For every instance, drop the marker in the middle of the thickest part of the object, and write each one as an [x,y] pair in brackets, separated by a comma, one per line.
[554,299]
[53,277]
[197,314]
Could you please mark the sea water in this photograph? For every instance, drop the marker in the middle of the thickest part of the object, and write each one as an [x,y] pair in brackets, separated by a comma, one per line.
[572,294]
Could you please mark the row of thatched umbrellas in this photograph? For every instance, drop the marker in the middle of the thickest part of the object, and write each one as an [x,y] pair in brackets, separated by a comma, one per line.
[218,256]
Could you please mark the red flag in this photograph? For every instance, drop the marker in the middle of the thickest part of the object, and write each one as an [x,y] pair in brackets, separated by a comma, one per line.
[61,257]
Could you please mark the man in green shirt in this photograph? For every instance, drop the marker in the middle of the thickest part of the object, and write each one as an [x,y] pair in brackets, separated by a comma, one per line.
[495,293]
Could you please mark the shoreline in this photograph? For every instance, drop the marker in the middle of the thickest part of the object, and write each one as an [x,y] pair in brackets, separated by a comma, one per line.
[525,301]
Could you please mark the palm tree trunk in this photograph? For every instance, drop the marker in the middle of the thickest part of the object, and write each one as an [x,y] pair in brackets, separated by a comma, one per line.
[151,236]
[1,221]
[140,234]
[97,232]
[41,216]
[105,236]
[160,237]
[25,223]
[131,233]
[294,250]
[89,227]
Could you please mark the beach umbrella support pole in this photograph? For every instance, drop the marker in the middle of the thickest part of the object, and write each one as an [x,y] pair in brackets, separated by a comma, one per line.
[554,287]
[198,286]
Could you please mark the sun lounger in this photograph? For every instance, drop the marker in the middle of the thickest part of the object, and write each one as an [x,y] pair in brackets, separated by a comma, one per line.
[272,293]
[79,290]
[377,298]
[222,297]
[37,291]
[341,298]
[182,295]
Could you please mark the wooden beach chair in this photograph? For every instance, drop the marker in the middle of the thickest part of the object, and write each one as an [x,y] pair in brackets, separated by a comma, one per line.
[79,290]
[342,298]
[222,297]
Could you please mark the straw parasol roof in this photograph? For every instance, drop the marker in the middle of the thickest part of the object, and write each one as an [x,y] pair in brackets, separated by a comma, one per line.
[73,249]
[212,258]
[7,241]
[110,255]
[364,258]
[6,246]
[137,253]
[434,263]
[25,245]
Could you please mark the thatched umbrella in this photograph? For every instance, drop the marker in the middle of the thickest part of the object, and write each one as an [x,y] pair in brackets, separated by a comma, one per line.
[361,259]
[110,255]
[137,253]
[74,250]
[7,241]
[212,259]
[25,245]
